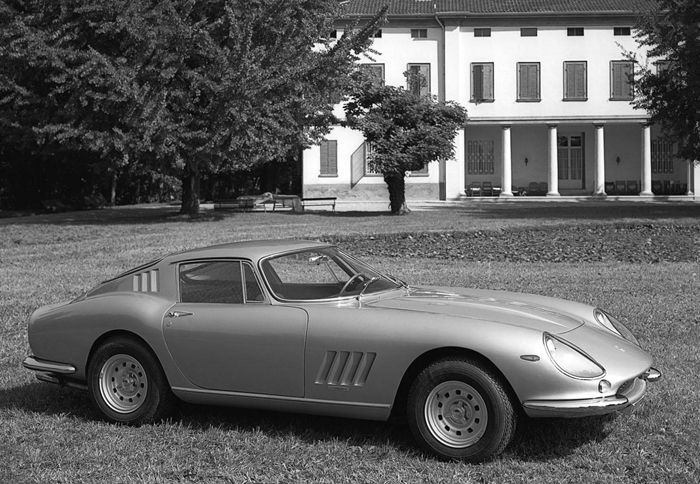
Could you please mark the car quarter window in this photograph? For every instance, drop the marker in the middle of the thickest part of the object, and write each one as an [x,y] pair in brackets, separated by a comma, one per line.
[253,293]
[211,282]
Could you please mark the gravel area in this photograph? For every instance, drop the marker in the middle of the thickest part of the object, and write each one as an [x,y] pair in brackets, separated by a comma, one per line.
[645,243]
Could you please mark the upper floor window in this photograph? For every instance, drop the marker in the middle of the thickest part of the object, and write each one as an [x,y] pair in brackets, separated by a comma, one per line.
[575,81]
[482,82]
[528,81]
[621,80]
[622,31]
[419,79]
[419,33]
[333,34]
[528,32]
[574,31]
[482,32]
[329,158]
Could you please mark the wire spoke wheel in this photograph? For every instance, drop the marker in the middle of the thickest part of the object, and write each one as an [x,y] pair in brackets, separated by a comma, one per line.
[123,383]
[456,414]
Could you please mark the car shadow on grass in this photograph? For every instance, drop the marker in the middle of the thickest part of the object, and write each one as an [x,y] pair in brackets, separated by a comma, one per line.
[535,439]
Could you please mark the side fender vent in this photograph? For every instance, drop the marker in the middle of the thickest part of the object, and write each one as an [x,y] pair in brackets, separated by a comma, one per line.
[346,368]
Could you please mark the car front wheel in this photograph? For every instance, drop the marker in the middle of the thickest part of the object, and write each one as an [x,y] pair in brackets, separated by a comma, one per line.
[127,384]
[459,409]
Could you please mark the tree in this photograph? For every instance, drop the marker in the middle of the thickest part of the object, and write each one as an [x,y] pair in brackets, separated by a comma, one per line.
[670,93]
[405,132]
[173,85]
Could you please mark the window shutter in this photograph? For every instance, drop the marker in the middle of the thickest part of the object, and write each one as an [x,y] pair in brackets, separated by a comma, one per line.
[478,81]
[424,70]
[575,74]
[329,157]
[332,157]
[621,86]
[357,165]
[528,81]
[488,81]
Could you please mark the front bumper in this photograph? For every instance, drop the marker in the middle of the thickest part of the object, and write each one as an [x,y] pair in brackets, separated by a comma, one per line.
[629,395]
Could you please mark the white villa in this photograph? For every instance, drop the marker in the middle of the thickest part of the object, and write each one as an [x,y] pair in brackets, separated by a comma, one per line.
[546,87]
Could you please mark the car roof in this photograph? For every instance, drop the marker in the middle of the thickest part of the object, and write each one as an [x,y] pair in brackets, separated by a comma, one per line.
[250,249]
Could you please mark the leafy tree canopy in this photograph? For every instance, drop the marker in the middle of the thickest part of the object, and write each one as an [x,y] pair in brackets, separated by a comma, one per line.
[173,84]
[670,89]
[405,131]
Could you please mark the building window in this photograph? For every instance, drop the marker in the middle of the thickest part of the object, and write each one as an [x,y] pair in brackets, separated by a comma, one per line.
[378,34]
[482,32]
[374,72]
[333,34]
[419,33]
[419,79]
[528,32]
[575,81]
[574,31]
[482,82]
[480,160]
[528,81]
[622,31]
[661,156]
[621,80]
[329,158]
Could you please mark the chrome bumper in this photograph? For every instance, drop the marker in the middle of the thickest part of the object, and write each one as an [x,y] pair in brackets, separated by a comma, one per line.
[35,364]
[632,394]
[53,372]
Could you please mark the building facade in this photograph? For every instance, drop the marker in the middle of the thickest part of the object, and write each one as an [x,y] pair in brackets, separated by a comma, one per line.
[548,90]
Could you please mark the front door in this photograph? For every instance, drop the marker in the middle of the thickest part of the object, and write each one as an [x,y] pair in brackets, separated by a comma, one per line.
[571,163]
[224,335]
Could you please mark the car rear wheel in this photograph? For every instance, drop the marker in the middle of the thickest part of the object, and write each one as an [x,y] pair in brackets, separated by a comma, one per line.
[459,409]
[127,384]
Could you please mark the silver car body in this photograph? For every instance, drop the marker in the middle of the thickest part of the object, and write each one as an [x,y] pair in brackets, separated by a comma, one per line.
[345,356]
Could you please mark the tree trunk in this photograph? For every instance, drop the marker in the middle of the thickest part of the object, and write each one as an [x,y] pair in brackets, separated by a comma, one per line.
[397,193]
[113,188]
[190,190]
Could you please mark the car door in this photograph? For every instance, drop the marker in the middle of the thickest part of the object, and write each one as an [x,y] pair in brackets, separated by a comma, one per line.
[225,335]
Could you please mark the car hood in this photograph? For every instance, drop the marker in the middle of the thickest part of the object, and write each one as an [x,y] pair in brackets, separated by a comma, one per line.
[527,310]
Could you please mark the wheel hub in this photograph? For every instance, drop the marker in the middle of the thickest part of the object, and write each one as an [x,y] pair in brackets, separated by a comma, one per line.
[456,414]
[123,383]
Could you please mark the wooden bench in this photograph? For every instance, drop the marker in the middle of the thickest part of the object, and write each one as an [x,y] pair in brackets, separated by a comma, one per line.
[235,204]
[318,202]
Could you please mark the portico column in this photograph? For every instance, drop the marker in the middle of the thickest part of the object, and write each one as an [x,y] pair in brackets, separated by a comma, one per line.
[646,161]
[506,179]
[599,188]
[553,161]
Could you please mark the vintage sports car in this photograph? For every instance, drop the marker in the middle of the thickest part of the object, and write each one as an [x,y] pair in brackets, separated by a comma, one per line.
[300,326]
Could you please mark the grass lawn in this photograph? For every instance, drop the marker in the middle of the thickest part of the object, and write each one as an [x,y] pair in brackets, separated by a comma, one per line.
[51,434]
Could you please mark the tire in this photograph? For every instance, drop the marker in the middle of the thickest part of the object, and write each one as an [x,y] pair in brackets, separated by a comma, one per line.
[459,410]
[137,391]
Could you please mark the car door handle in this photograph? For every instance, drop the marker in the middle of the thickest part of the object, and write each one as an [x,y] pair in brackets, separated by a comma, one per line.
[178,314]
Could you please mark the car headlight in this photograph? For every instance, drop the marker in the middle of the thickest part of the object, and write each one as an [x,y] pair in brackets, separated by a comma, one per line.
[604,319]
[570,360]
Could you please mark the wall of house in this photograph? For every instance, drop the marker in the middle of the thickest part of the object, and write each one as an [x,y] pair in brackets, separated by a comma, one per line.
[451,53]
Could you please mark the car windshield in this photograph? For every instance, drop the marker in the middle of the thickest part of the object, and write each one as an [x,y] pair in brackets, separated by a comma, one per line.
[325,273]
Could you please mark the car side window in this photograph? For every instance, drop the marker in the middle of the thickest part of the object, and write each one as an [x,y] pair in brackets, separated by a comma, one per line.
[211,282]
[253,293]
